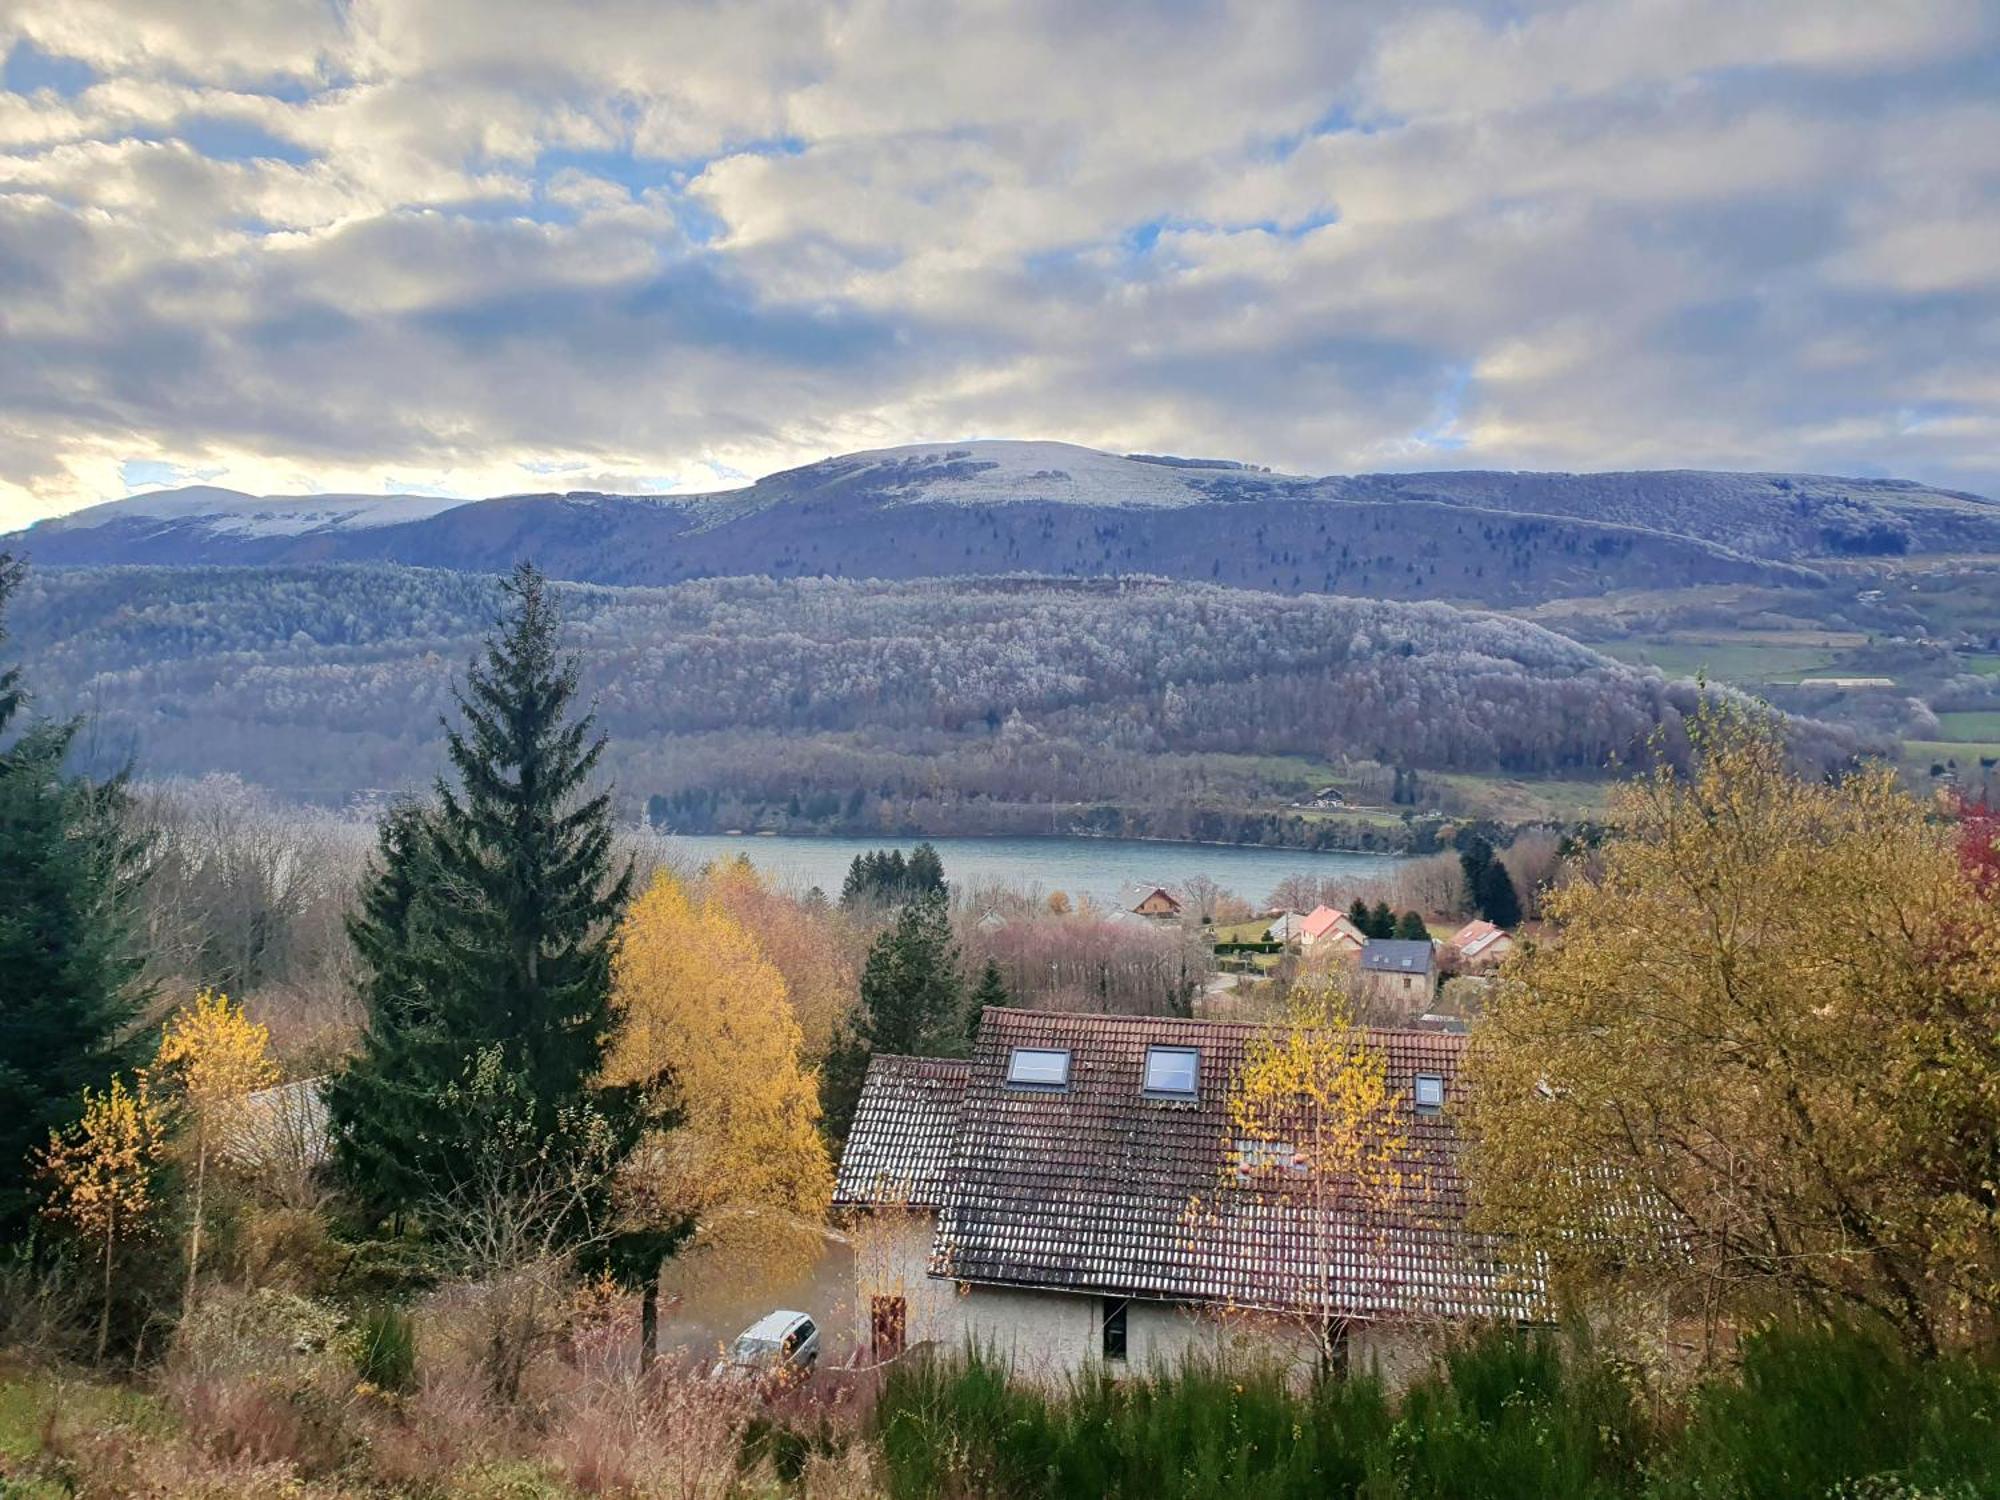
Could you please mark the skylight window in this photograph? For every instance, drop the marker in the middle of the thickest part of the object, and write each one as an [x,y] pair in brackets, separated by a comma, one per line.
[1172,1072]
[1430,1093]
[1038,1068]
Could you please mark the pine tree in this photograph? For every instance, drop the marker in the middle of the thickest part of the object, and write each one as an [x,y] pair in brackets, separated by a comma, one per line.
[912,1002]
[69,965]
[990,992]
[1410,927]
[925,871]
[488,923]
[1382,921]
[1496,897]
[1361,917]
[1473,861]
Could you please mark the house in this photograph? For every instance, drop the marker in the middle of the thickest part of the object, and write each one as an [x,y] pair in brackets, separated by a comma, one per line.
[1286,927]
[1480,944]
[1074,1193]
[1400,968]
[1328,925]
[1153,901]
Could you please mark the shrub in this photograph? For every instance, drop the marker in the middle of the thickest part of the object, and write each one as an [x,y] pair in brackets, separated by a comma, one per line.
[385,1349]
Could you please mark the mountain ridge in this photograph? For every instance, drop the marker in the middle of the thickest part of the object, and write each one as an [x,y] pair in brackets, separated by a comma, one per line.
[1503,538]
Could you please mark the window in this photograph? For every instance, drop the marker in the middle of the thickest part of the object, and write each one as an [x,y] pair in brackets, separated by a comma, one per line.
[1038,1068]
[888,1318]
[1114,1328]
[1430,1093]
[1172,1072]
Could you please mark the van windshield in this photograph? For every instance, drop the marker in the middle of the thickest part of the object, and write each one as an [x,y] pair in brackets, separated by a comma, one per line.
[748,1348]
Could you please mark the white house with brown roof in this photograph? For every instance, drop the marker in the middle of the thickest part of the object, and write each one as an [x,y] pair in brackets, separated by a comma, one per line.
[1073,1193]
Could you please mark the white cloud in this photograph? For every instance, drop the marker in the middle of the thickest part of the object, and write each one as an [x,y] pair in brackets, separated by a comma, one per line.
[497,244]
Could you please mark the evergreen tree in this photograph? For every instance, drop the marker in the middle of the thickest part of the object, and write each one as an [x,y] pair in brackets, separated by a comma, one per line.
[1473,861]
[1361,917]
[489,922]
[1410,926]
[991,991]
[69,965]
[1382,921]
[912,1002]
[924,872]
[1496,897]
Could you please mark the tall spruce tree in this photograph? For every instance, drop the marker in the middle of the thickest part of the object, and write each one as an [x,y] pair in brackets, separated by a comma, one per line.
[912,1002]
[69,965]
[488,923]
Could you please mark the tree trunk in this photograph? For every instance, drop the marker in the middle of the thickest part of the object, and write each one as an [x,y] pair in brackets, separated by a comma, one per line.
[649,1323]
[104,1313]
[194,1232]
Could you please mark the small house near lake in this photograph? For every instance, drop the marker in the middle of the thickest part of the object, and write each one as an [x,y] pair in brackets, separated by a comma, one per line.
[1152,901]
[1074,1193]
[1402,969]
[1330,929]
[1480,944]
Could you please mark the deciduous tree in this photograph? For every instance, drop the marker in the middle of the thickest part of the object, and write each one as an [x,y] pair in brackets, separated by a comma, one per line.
[211,1056]
[1761,1062]
[100,1178]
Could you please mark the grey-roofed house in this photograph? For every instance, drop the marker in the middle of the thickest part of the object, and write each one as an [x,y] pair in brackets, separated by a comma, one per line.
[1404,969]
[1075,1192]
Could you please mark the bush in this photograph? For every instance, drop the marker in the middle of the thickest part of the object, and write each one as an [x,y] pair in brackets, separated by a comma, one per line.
[1817,1411]
[1811,1412]
[385,1349]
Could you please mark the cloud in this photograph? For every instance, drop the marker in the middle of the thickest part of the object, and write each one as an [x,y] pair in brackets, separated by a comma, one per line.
[489,245]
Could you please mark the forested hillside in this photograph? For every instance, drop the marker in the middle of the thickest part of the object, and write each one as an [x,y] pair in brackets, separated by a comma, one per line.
[999,704]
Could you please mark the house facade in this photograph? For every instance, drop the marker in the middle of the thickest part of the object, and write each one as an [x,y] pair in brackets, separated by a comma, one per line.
[1152,901]
[1402,970]
[1328,929]
[1073,1194]
[1481,945]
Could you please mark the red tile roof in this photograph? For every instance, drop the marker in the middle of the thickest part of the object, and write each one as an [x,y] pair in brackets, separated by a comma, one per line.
[1099,1188]
[899,1148]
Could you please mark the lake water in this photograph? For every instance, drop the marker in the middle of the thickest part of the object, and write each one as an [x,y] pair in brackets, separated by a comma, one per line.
[1098,868]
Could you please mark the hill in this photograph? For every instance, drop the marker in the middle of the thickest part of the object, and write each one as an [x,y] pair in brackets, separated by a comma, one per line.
[1506,540]
[995,705]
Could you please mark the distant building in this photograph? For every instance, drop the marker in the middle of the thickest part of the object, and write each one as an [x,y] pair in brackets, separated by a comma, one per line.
[1327,925]
[1400,968]
[1287,927]
[1152,901]
[1074,1194]
[1480,944]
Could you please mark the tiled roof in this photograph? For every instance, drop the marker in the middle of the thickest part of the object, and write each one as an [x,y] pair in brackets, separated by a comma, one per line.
[1321,919]
[899,1147]
[1398,955]
[1475,938]
[1099,1188]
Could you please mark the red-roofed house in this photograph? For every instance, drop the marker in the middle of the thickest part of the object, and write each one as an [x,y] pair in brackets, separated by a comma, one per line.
[1480,944]
[1326,924]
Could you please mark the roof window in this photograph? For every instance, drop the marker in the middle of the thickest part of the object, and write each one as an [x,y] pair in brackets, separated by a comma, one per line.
[1172,1072]
[1038,1068]
[1430,1093]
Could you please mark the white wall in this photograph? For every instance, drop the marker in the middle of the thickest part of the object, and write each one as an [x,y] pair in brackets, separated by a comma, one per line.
[1050,1335]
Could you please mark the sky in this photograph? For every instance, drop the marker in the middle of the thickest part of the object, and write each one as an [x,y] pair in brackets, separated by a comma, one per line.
[473,247]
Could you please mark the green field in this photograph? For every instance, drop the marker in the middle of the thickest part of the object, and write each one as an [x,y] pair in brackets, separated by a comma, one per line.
[1971,726]
[1744,663]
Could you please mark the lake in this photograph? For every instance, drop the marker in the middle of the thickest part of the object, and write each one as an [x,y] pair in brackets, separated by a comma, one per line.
[1098,868]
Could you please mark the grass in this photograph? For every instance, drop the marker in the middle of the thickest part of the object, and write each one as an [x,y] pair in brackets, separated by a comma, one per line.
[1241,932]
[1971,727]
[1922,753]
[1744,663]
[1511,799]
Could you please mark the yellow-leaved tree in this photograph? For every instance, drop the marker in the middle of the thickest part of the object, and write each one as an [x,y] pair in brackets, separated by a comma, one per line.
[809,946]
[1758,1063]
[705,1026]
[212,1056]
[100,1177]
[1317,1128]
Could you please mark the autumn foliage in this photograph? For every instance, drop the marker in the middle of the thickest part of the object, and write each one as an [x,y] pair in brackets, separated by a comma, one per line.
[1760,1063]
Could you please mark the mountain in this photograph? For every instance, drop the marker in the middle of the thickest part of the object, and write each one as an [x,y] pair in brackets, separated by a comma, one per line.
[934,510]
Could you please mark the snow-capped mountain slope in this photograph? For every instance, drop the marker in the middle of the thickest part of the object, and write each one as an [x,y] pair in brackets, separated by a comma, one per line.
[233,513]
[948,509]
